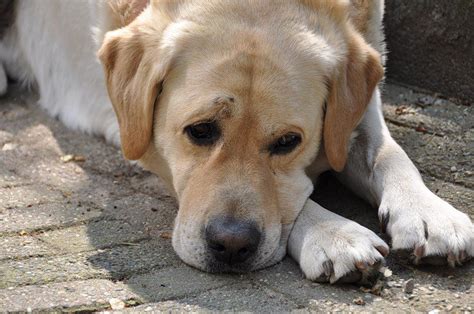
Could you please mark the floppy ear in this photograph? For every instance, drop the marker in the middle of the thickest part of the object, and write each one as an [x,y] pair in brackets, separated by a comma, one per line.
[135,65]
[350,92]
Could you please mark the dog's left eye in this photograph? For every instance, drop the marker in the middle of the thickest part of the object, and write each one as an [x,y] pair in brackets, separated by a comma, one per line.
[285,144]
[206,133]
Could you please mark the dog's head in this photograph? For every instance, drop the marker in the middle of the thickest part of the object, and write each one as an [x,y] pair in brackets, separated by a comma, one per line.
[230,102]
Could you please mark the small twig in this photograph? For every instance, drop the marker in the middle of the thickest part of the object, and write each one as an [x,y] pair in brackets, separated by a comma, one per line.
[406,125]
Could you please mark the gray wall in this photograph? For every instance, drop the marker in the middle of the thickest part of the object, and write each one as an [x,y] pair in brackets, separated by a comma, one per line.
[431,45]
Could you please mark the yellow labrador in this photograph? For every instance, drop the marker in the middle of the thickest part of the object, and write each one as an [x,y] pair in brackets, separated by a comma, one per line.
[239,105]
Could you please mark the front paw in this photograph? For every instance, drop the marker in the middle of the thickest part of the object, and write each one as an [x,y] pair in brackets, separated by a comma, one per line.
[428,226]
[331,248]
[347,253]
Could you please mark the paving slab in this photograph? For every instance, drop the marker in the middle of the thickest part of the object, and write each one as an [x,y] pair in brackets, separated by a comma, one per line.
[437,134]
[23,246]
[65,296]
[48,216]
[95,235]
[152,215]
[439,115]
[172,283]
[28,195]
[243,297]
[114,263]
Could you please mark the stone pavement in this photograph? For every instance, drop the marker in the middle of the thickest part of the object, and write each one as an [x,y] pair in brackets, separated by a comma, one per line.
[92,232]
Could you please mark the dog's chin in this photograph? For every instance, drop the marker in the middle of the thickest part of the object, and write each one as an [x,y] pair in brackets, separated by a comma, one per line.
[197,255]
[218,267]
[214,266]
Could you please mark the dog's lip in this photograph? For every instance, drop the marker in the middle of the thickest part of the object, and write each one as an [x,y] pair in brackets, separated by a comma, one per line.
[271,260]
[218,267]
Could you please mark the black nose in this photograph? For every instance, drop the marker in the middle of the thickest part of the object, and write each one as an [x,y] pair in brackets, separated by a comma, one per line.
[232,241]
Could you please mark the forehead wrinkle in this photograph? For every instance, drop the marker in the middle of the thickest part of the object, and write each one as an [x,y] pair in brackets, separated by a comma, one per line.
[213,110]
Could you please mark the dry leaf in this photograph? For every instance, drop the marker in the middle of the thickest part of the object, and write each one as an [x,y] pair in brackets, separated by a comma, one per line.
[166,235]
[359,301]
[421,128]
[70,157]
[401,110]
[79,158]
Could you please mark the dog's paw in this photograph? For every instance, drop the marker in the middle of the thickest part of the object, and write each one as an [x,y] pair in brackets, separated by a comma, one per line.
[351,253]
[331,248]
[429,227]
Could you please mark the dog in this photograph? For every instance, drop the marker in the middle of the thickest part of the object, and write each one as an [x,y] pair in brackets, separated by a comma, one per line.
[239,106]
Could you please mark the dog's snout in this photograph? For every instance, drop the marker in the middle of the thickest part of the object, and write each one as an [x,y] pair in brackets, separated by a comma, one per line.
[232,241]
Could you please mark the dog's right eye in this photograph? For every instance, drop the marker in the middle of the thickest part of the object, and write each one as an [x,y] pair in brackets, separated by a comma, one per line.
[206,133]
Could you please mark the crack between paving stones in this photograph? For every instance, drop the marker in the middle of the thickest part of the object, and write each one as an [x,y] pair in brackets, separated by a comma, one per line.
[40,230]
[458,184]
[102,276]
[224,285]
[59,254]
[87,308]
[286,295]
[412,127]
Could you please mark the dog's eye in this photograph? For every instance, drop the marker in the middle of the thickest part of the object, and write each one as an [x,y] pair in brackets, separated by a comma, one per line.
[206,133]
[285,144]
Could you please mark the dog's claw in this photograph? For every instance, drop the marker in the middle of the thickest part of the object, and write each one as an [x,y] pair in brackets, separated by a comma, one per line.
[328,268]
[452,260]
[383,250]
[361,266]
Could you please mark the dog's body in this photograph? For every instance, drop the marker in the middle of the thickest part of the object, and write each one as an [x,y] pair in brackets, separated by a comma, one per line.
[238,132]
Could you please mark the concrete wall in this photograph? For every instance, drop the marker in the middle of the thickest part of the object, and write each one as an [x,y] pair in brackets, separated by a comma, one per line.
[431,45]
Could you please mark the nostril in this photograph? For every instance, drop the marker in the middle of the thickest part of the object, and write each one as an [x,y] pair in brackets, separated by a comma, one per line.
[243,253]
[217,247]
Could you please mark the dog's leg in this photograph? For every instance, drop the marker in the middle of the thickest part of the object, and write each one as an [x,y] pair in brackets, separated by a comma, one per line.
[329,247]
[415,218]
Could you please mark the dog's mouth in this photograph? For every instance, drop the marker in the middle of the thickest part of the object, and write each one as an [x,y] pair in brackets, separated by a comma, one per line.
[257,263]
[214,266]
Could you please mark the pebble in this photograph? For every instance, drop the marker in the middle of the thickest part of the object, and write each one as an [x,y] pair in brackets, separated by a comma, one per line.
[394,284]
[9,146]
[449,307]
[387,273]
[439,102]
[454,169]
[410,286]
[116,304]
[359,301]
